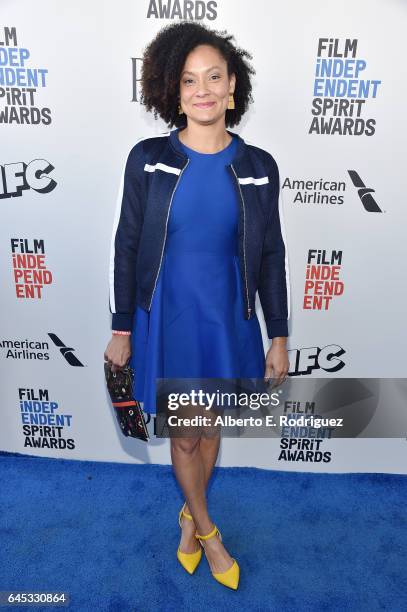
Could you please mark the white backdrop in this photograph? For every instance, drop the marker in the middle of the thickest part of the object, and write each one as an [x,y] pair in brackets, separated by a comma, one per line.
[83,57]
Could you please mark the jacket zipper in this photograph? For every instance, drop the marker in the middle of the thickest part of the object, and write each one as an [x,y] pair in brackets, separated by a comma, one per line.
[165,234]
[244,243]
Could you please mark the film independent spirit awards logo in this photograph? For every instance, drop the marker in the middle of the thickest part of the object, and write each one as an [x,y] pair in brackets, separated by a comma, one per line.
[343,93]
[31,276]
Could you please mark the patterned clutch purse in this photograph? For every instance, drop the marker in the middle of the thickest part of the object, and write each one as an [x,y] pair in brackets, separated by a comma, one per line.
[128,410]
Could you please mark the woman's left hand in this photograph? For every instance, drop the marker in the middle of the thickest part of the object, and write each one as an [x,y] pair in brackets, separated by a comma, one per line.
[277,362]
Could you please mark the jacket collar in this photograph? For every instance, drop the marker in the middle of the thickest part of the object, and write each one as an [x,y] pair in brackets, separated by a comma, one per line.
[177,146]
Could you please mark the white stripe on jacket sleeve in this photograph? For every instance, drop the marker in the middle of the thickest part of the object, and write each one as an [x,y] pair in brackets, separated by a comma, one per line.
[283,235]
[263,180]
[118,209]
[112,242]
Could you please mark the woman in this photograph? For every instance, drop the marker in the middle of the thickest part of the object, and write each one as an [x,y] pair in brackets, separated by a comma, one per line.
[196,233]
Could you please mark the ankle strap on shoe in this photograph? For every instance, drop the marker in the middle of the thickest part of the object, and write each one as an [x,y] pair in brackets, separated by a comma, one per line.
[208,535]
[186,513]
[182,512]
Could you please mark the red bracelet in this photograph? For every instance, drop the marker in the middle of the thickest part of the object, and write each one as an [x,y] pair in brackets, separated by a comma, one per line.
[116,332]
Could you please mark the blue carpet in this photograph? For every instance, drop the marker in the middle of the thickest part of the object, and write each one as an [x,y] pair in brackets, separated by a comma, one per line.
[107,533]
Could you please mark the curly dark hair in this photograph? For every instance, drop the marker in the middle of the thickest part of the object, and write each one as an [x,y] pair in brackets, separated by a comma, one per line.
[163,61]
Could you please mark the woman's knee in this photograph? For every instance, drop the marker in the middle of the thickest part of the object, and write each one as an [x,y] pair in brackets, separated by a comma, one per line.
[185,445]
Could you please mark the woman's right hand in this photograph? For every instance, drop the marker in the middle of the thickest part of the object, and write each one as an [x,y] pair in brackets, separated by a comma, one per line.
[118,351]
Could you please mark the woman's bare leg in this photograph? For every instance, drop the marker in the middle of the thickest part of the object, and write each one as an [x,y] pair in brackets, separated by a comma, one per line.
[209,449]
[190,473]
[193,462]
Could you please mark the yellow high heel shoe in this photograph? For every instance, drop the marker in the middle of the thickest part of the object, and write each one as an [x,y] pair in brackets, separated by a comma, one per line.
[189,561]
[230,578]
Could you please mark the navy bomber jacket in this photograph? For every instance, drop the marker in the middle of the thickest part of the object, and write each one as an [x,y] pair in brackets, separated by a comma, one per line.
[150,177]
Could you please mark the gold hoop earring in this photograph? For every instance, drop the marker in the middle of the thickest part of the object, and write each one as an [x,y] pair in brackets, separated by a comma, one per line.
[231,103]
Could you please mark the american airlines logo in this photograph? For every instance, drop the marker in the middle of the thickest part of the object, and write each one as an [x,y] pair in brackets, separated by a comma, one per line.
[66,351]
[37,350]
[323,191]
[364,193]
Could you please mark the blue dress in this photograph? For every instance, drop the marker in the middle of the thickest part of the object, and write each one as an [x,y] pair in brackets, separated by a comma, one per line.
[196,326]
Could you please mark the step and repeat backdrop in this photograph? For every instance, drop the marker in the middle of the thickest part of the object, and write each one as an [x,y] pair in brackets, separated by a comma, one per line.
[329,105]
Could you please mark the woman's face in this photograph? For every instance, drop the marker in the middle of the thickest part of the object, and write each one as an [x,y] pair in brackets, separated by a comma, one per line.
[205,85]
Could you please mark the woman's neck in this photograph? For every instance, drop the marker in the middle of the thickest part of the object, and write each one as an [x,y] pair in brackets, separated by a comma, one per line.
[205,138]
